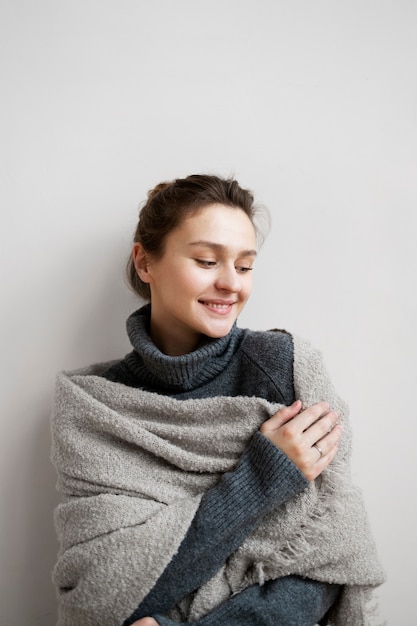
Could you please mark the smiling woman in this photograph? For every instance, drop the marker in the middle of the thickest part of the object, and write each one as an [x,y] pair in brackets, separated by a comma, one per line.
[202,281]
[196,468]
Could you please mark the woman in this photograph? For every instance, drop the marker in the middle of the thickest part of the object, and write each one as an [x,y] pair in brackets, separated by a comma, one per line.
[195,467]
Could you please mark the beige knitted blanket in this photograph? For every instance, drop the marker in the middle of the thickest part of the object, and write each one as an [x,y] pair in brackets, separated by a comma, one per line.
[133,465]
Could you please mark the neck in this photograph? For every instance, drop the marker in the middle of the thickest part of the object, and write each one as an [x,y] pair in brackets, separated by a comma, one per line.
[177,371]
[174,345]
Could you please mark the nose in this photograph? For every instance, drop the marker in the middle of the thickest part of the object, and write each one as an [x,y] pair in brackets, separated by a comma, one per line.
[228,279]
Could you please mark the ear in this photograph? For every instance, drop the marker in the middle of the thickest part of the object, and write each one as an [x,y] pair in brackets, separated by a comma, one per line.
[141,262]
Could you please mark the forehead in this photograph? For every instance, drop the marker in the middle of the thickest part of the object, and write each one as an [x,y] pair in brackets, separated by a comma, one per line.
[218,223]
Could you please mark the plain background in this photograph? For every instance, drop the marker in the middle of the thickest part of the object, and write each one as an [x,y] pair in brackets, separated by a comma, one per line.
[312,105]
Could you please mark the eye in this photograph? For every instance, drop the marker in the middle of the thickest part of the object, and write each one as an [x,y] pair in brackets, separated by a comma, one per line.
[204,263]
[243,269]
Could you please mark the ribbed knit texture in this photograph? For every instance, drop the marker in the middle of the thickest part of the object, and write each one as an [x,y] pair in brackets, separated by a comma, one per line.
[181,373]
[243,363]
[288,601]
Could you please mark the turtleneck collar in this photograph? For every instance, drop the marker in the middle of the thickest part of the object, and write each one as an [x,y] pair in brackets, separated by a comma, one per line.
[179,373]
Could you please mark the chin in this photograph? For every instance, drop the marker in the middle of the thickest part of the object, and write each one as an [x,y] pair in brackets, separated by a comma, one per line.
[217,333]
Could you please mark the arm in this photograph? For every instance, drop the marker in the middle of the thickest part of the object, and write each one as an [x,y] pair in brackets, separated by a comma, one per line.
[264,479]
[288,601]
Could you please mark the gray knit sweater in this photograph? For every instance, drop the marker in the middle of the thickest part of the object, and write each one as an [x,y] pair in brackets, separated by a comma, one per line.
[242,363]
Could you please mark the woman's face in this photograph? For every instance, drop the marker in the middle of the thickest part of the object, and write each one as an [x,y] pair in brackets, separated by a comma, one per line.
[203,280]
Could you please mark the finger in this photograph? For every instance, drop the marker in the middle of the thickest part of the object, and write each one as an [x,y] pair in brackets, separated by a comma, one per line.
[310,415]
[328,456]
[321,427]
[281,417]
[325,445]
[315,469]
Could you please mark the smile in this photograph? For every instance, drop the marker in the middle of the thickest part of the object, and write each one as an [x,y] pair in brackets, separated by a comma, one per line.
[220,306]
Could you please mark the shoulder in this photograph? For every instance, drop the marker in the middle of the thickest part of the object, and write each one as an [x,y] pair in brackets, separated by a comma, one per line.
[309,363]
[312,380]
[268,344]
[279,344]
[271,352]
[119,372]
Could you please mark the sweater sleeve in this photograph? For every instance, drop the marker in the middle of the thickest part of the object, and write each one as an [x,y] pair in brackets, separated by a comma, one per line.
[264,479]
[287,601]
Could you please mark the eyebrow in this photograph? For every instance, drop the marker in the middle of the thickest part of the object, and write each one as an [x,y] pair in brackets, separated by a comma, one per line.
[220,247]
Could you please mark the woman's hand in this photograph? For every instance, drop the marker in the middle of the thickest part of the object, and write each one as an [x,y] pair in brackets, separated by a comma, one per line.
[309,438]
[146,621]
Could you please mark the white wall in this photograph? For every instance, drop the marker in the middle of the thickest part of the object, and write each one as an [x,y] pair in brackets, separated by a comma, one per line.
[311,104]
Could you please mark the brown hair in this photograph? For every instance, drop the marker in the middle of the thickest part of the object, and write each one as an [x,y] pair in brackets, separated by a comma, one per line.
[169,203]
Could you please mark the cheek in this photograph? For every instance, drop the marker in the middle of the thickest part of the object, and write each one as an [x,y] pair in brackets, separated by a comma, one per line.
[194,281]
[247,289]
[201,278]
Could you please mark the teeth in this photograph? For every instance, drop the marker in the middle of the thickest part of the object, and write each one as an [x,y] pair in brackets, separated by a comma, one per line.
[218,306]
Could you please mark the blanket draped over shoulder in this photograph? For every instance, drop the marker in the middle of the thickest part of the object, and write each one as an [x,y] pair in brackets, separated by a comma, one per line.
[132,467]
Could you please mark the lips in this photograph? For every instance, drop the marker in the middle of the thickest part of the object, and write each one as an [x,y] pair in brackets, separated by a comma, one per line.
[219,306]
